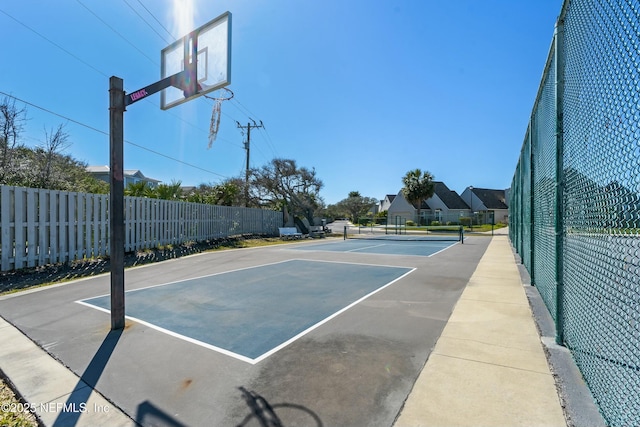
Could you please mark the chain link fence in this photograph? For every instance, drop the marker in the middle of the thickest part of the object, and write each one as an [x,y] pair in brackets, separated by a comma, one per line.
[575,199]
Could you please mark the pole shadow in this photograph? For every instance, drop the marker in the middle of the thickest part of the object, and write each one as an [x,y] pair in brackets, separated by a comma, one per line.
[265,413]
[152,415]
[76,403]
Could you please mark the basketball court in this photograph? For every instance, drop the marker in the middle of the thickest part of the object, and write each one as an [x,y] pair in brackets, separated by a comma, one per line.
[324,337]
[240,303]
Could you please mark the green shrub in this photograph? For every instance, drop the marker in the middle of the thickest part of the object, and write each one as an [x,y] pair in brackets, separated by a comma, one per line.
[466,221]
[435,223]
[410,223]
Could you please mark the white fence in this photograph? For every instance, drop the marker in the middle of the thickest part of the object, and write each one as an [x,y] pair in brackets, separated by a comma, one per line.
[39,227]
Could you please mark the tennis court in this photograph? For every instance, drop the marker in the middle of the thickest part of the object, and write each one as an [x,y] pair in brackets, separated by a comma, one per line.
[384,240]
[382,247]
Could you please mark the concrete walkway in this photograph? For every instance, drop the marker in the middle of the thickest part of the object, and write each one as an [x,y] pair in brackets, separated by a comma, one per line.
[47,385]
[488,367]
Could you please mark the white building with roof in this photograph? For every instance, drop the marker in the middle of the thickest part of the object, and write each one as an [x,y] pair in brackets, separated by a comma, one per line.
[131,176]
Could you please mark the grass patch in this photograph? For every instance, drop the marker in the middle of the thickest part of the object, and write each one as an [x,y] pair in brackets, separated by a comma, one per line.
[485,227]
[13,412]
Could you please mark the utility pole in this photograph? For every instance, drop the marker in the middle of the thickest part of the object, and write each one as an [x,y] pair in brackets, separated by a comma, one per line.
[247,145]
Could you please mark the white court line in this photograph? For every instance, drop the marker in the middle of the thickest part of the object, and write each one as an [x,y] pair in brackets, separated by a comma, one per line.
[351,263]
[443,249]
[275,349]
[388,243]
[177,335]
[326,319]
[194,278]
[366,247]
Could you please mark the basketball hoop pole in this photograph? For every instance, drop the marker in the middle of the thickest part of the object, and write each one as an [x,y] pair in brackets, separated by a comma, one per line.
[116,200]
[187,81]
[118,101]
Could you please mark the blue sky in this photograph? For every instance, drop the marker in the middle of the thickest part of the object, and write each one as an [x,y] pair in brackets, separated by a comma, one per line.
[361,90]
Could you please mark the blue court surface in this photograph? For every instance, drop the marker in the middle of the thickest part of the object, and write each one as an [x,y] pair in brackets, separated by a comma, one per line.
[382,247]
[253,312]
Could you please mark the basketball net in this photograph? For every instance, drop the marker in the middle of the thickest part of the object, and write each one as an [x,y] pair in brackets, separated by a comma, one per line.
[214,125]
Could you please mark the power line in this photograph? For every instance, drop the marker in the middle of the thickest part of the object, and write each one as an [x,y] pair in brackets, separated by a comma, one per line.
[246,111]
[77,58]
[55,44]
[118,34]
[240,107]
[269,141]
[156,19]
[145,21]
[107,134]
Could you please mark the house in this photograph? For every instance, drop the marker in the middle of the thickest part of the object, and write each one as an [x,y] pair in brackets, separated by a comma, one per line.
[386,202]
[483,201]
[445,206]
[400,210]
[131,176]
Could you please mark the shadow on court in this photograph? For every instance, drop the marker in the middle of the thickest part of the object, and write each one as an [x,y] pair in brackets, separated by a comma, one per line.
[87,382]
[265,413]
[149,414]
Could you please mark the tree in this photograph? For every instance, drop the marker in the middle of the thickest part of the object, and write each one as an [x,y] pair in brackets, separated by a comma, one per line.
[12,120]
[171,191]
[356,205]
[418,186]
[71,175]
[54,144]
[227,193]
[45,166]
[282,183]
[139,189]
[332,212]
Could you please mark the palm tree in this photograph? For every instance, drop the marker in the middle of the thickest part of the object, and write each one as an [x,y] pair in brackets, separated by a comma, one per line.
[418,186]
[138,189]
[169,191]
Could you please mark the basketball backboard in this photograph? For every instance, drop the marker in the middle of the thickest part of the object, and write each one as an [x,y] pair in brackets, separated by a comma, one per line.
[212,66]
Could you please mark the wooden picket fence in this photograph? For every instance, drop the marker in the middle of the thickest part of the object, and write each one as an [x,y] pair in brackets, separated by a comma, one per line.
[39,227]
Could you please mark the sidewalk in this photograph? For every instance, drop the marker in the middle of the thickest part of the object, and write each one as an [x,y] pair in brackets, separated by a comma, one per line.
[47,385]
[488,367]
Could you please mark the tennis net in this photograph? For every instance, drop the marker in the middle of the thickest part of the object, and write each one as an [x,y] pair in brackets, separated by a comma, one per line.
[452,233]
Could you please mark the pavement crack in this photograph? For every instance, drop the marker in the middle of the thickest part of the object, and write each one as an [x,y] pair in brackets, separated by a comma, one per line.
[493,364]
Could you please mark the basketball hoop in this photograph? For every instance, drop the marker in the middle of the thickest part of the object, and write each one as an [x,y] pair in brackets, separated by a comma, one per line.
[224,94]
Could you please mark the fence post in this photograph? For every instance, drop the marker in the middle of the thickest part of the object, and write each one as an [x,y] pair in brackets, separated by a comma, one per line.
[559,211]
[531,202]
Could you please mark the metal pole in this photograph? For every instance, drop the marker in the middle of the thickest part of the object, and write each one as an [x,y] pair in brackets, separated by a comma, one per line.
[493,220]
[471,206]
[531,202]
[559,211]
[246,170]
[116,200]
[247,146]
